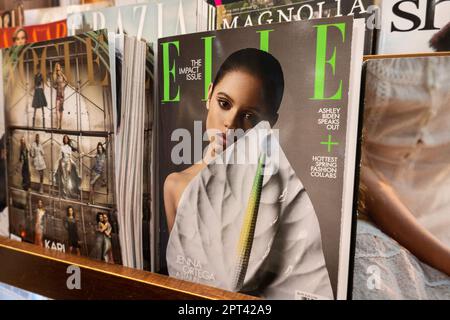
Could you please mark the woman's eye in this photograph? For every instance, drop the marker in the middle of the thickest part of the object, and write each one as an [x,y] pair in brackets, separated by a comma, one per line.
[224,104]
[248,116]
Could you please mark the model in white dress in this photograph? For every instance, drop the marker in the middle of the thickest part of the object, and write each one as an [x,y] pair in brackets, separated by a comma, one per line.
[67,178]
[38,155]
[39,226]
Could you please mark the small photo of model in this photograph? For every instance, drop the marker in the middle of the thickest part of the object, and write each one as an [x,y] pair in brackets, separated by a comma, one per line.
[103,238]
[20,37]
[39,100]
[67,178]
[57,82]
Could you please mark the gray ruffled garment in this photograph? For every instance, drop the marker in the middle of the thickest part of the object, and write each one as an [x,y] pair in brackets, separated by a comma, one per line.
[286,260]
[386,270]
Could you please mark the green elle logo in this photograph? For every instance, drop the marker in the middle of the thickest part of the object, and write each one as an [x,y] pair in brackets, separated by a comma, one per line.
[169,63]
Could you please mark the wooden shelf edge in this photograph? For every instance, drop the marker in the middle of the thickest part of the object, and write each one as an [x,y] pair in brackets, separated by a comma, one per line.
[44,272]
[405,55]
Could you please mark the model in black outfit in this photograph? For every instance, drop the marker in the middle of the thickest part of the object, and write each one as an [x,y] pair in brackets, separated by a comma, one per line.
[72,230]
[39,101]
[24,158]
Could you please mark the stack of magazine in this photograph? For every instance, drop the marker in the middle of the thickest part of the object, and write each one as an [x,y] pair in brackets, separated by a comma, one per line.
[244,146]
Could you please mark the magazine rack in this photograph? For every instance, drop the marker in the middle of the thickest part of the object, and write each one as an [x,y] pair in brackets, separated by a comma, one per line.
[45,272]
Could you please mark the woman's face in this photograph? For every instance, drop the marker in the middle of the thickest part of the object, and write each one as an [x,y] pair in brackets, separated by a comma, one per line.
[6,21]
[65,140]
[99,149]
[70,212]
[237,102]
[105,218]
[100,218]
[21,38]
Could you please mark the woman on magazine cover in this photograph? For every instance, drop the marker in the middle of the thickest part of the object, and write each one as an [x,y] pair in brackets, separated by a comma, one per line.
[6,19]
[24,159]
[97,170]
[38,155]
[247,89]
[99,237]
[107,244]
[39,226]
[39,100]
[20,37]
[103,234]
[222,116]
[71,226]
[67,178]
[60,83]
[405,179]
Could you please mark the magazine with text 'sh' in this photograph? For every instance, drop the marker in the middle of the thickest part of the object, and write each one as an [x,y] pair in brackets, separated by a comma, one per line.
[418,26]
[256,150]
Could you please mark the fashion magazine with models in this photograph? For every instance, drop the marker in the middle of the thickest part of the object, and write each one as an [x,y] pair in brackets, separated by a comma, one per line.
[414,26]
[59,128]
[256,147]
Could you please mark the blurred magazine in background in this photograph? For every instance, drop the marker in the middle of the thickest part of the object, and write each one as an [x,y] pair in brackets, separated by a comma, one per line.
[11,14]
[29,34]
[47,15]
[246,13]
[414,27]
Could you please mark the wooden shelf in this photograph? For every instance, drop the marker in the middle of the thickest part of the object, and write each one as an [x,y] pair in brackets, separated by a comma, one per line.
[44,271]
[406,55]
